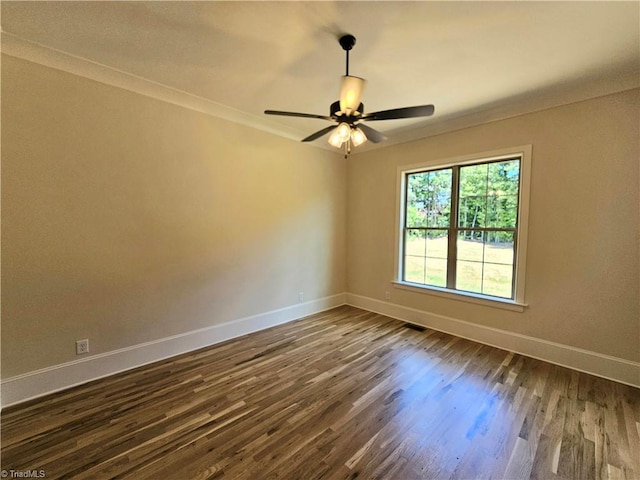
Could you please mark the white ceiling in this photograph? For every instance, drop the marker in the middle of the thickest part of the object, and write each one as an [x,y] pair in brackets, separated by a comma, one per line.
[475,61]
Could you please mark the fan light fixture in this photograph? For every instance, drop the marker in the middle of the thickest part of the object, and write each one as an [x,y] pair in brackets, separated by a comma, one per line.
[343,131]
[348,112]
[351,94]
[353,136]
[357,137]
[335,140]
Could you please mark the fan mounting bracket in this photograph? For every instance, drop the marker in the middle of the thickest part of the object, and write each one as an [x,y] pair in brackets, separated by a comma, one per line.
[347,42]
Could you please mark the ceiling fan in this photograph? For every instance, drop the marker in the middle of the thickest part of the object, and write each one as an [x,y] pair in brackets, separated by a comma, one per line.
[348,112]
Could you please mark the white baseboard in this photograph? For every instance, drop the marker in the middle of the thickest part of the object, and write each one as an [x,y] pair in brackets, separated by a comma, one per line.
[27,386]
[30,385]
[612,368]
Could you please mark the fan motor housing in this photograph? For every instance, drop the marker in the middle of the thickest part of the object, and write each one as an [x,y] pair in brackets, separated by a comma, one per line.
[335,108]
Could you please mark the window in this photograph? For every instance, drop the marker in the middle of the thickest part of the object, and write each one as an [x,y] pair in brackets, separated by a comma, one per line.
[463,225]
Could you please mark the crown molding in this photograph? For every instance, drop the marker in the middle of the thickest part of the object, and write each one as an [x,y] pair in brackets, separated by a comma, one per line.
[531,102]
[18,47]
[550,97]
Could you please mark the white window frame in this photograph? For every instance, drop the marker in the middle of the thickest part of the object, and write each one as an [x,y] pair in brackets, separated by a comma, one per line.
[518,302]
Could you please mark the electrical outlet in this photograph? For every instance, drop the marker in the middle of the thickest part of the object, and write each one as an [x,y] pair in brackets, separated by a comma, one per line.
[301,296]
[387,295]
[82,347]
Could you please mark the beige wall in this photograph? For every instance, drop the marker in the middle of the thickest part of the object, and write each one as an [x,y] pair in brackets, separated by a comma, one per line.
[582,280]
[126,219]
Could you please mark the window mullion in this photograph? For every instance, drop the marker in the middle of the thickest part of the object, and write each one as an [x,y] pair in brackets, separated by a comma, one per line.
[452,247]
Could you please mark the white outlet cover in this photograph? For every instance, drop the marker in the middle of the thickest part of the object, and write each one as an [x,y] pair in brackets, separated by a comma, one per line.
[82,347]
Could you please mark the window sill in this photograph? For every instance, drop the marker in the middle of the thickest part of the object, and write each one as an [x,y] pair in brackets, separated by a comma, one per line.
[462,296]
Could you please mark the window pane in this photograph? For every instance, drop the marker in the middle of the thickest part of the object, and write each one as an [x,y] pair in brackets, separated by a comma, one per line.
[497,280]
[437,252]
[473,180]
[472,212]
[416,199]
[504,178]
[485,265]
[469,276]
[502,200]
[437,243]
[428,200]
[471,246]
[415,249]
[414,269]
[499,248]
[438,204]
[425,259]
[472,204]
[502,211]
[415,243]
[436,272]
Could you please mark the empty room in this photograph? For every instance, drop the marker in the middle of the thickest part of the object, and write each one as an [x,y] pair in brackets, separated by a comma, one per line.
[325,239]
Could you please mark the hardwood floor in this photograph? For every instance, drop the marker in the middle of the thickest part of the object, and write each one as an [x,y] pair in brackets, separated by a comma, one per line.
[340,395]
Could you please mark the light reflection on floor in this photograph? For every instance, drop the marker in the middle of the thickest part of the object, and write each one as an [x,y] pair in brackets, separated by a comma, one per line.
[430,385]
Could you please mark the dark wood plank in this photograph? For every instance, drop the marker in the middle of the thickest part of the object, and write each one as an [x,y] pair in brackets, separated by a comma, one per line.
[343,394]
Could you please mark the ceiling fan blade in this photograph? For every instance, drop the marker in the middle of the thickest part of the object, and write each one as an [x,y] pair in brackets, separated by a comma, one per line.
[373,135]
[318,134]
[296,114]
[395,113]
